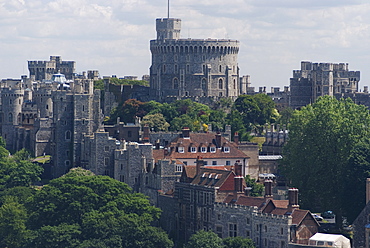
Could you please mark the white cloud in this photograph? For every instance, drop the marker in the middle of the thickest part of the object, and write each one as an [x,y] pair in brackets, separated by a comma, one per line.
[113,36]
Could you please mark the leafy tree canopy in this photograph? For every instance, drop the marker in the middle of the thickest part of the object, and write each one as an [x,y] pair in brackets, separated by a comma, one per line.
[80,210]
[203,239]
[257,189]
[326,153]
[238,242]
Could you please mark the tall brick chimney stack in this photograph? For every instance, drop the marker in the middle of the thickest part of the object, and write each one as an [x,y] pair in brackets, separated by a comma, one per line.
[199,164]
[238,179]
[218,140]
[145,137]
[236,138]
[293,198]
[186,132]
[268,189]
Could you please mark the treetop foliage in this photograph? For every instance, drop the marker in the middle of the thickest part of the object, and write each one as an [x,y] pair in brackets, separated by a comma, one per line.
[319,157]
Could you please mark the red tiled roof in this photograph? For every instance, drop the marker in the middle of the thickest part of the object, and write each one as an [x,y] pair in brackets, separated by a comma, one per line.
[203,140]
[298,215]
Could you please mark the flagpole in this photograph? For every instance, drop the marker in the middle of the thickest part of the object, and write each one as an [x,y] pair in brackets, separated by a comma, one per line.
[168,9]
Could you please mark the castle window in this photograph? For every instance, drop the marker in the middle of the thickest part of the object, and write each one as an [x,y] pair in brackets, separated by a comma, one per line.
[175,58]
[234,84]
[47,106]
[121,166]
[220,58]
[212,149]
[219,231]
[106,148]
[248,233]
[193,149]
[175,83]
[232,230]
[187,68]
[265,228]
[281,230]
[248,220]
[10,117]
[220,68]
[176,68]
[220,83]
[204,83]
[122,178]
[282,244]
[214,162]
[106,161]
[203,149]
[10,101]
[220,94]
[146,180]
[83,107]
[68,135]
[180,149]
[67,163]
[164,68]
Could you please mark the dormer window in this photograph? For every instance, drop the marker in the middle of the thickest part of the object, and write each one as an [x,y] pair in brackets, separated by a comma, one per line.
[227,149]
[193,149]
[203,149]
[212,149]
[181,149]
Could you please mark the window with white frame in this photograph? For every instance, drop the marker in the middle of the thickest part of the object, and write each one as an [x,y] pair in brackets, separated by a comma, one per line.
[178,168]
[203,149]
[181,149]
[226,149]
[212,149]
[193,149]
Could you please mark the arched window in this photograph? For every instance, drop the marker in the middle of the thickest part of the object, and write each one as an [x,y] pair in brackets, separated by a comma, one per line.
[175,83]
[68,135]
[220,83]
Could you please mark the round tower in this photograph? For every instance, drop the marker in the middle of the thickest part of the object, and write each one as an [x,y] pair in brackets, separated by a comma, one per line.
[11,101]
[192,67]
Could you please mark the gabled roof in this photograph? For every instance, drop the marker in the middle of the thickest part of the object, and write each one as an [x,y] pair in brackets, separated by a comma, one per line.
[203,140]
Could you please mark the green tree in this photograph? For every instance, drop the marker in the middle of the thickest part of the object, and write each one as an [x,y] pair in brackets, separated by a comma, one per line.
[319,157]
[238,242]
[80,209]
[255,110]
[13,218]
[203,239]
[18,170]
[257,189]
[156,122]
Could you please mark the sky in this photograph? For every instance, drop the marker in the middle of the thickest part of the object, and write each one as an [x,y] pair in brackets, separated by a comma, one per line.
[113,36]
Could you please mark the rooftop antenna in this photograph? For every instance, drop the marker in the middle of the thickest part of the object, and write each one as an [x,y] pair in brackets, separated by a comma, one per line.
[168,9]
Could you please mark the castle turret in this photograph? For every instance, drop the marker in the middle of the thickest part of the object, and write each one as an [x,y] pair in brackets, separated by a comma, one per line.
[168,28]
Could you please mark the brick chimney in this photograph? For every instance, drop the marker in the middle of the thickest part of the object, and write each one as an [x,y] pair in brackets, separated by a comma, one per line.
[236,138]
[186,132]
[199,164]
[293,198]
[218,140]
[238,179]
[268,188]
[145,137]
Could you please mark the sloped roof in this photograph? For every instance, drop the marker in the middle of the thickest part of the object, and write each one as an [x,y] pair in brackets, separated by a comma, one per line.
[212,177]
[204,140]
[298,215]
